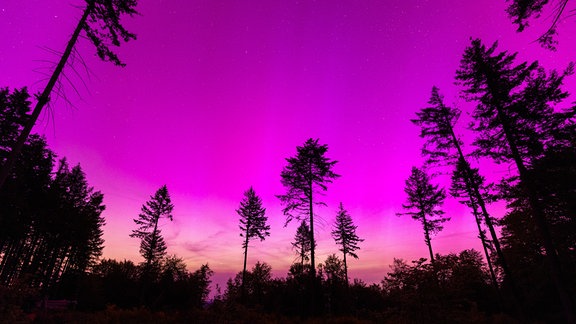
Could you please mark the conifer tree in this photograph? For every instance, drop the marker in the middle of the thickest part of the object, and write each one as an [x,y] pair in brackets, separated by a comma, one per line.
[443,146]
[344,234]
[305,177]
[514,119]
[101,22]
[252,222]
[302,243]
[521,11]
[464,179]
[152,244]
[423,204]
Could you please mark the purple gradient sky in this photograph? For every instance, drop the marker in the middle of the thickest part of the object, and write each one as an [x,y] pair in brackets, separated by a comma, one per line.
[216,94]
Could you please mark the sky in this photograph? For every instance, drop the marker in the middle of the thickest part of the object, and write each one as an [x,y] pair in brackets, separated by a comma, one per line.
[217,94]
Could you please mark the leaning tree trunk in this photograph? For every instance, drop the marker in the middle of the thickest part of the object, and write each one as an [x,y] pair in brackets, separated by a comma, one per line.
[44,98]
[528,185]
[474,191]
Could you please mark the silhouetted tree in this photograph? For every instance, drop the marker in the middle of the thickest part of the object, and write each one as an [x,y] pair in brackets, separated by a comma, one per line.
[463,178]
[179,289]
[79,232]
[514,118]
[344,234]
[423,204]
[51,225]
[306,176]
[252,222]
[152,245]
[118,282]
[101,22]
[333,275]
[302,243]
[200,282]
[14,109]
[256,285]
[521,11]
[555,175]
[24,205]
[442,145]
[453,290]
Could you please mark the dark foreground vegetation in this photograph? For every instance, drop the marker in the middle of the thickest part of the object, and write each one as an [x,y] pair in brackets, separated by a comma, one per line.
[457,290]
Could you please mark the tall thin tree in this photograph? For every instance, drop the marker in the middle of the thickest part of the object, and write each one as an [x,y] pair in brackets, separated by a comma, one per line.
[305,177]
[443,146]
[513,120]
[344,234]
[462,188]
[423,204]
[101,22]
[252,223]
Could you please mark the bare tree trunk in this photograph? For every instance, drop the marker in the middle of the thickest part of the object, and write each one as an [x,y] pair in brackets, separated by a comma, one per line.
[345,270]
[243,288]
[312,241]
[44,98]
[427,237]
[482,236]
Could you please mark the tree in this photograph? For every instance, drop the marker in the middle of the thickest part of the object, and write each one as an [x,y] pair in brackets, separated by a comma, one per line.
[51,223]
[453,290]
[514,120]
[344,234]
[101,22]
[118,282]
[521,11]
[442,145]
[14,109]
[256,285]
[305,177]
[200,280]
[152,245]
[464,178]
[335,291]
[424,200]
[252,222]
[302,243]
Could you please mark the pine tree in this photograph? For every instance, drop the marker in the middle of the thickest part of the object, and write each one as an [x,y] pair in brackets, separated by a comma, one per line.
[521,11]
[101,22]
[14,108]
[424,200]
[302,243]
[466,181]
[344,234]
[252,222]
[514,120]
[443,146]
[305,177]
[152,244]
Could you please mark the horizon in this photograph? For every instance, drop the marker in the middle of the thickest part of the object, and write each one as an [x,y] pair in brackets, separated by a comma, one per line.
[216,96]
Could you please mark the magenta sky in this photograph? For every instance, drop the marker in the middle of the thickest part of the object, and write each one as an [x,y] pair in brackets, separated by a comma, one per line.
[216,94]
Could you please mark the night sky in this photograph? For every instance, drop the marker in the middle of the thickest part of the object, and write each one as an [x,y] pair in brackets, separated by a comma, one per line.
[217,94]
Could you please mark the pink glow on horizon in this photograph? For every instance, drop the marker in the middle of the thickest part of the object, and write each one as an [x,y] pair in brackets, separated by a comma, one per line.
[216,95]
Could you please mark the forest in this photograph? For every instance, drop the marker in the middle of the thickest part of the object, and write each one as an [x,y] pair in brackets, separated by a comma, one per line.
[51,219]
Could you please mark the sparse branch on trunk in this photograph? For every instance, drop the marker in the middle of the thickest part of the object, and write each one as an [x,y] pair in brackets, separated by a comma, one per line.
[104,13]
